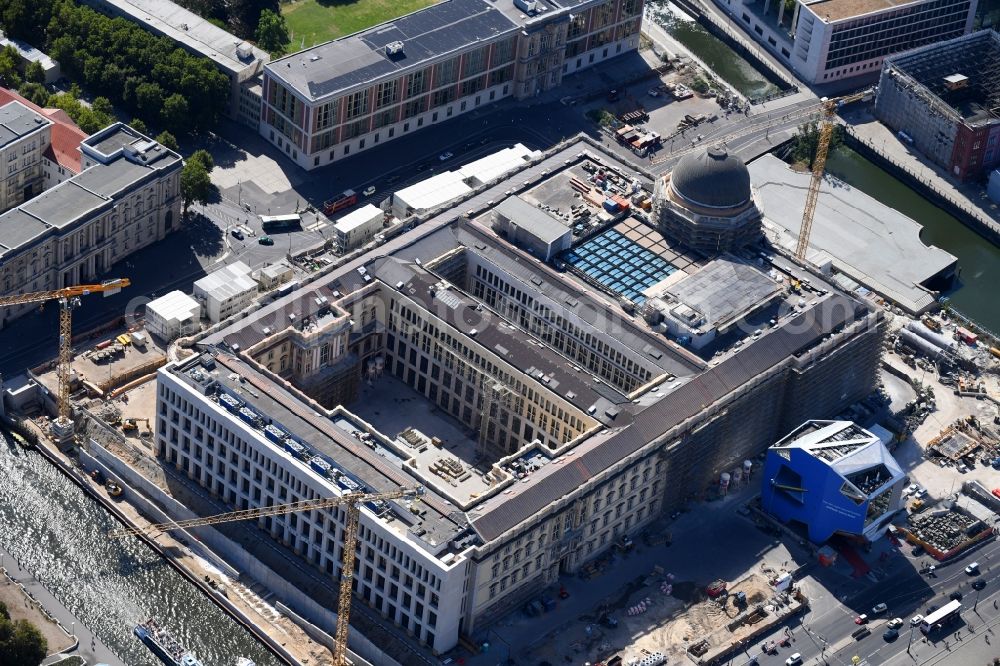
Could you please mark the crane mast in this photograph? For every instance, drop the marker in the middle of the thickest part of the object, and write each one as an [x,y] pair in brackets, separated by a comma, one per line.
[68,297]
[352,503]
[819,167]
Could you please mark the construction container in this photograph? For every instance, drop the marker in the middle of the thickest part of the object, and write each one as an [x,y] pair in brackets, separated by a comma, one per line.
[966,336]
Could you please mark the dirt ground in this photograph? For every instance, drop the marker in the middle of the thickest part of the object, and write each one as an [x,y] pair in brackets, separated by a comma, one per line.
[650,620]
[14,598]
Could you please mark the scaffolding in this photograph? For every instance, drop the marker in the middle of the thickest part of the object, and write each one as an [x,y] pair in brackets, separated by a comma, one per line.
[923,73]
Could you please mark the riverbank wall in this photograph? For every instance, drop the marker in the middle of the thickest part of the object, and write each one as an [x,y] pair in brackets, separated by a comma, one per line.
[228,556]
[711,23]
[925,186]
[53,456]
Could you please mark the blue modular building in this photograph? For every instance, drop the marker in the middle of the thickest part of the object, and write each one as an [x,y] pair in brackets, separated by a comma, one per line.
[832,477]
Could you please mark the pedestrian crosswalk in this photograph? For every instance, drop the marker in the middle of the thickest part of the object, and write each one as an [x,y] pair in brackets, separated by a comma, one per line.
[316,226]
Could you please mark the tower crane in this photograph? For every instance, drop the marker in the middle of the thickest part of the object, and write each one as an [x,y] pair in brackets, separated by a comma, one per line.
[830,106]
[352,502]
[68,297]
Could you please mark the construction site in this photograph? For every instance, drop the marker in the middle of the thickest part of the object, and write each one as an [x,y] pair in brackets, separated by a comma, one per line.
[942,99]
[404,404]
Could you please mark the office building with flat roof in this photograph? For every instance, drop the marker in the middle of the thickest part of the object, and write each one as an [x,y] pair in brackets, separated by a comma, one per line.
[944,99]
[347,95]
[826,41]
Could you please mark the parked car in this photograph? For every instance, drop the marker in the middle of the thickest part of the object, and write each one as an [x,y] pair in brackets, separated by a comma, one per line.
[895,623]
[861,619]
[444,157]
[978,584]
[916,620]
[794,660]
[910,489]
[972,569]
[265,240]
[370,190]
[879,609]
[890,635]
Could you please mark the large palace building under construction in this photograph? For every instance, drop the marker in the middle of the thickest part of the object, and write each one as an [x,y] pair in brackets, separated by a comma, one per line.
[556,372]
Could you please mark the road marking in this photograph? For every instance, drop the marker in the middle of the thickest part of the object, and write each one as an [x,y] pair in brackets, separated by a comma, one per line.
[316,226]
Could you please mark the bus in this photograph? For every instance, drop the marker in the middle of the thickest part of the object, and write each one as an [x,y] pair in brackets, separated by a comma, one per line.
[272,223]
[941,617]
[343,200]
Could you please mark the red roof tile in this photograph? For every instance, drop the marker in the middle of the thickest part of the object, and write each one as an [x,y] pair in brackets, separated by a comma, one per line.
[66,136]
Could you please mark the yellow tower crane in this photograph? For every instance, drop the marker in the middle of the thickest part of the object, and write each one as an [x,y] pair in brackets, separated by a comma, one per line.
[352,502]
[68,298]
[819,166]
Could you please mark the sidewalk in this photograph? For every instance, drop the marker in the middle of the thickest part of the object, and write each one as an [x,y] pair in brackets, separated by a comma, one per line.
[970,197]
[89,647]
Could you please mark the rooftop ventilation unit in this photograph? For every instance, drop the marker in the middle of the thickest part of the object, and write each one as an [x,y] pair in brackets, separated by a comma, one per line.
[527,6]
[393,48]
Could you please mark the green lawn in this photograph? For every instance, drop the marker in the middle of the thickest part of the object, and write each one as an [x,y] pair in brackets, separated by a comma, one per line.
[322,20]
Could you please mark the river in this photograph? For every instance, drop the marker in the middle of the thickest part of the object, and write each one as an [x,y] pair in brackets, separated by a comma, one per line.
[712,51]
[58,533]
[978,258]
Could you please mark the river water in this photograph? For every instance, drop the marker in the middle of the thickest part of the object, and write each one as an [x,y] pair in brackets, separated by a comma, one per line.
[978,259]
[58,533]
[721,59]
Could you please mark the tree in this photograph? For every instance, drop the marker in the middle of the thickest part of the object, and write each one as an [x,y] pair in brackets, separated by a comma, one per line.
[196,186]
[244,15]
[35,93]
[139,126]
[20,641]
[272,32]
[806,142]
[167,139]
[175,112]
[34,73]
[136,70]
[8,67]
[149,97]
[204,157]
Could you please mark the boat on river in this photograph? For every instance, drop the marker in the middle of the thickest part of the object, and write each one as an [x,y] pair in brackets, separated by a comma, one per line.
[164,645]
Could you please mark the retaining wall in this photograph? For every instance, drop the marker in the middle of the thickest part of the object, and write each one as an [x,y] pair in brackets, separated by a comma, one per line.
[227,555]
[989,231]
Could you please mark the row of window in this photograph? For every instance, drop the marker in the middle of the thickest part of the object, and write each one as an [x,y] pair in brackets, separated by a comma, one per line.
[543,319]
[400,578]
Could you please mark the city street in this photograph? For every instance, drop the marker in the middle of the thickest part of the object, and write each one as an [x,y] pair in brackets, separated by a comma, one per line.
[824,636]
[206,241]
